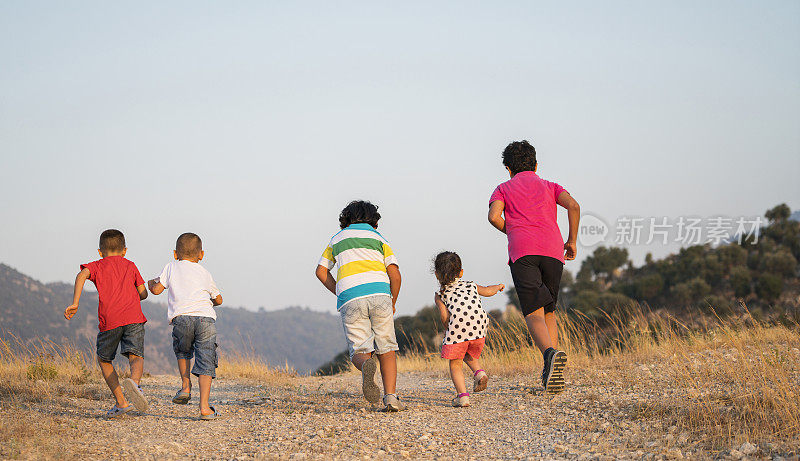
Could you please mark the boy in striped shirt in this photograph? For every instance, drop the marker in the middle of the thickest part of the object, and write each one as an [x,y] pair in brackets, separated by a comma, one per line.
[366,288]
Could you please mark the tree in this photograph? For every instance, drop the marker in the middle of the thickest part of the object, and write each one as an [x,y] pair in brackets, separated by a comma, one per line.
[779,213]
[605,260]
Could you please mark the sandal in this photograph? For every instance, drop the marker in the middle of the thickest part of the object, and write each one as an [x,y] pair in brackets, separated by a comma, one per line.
[182,397]
[116,411]
[135,394]
[210,417]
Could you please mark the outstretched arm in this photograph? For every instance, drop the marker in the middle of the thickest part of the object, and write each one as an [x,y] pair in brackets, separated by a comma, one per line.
[324,275]
[444,314]
[142,292]
[81,278]
[574,215]
[496,215]
[491,290]
[394,283]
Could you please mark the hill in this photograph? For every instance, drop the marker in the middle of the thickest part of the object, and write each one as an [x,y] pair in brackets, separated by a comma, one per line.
[301,338]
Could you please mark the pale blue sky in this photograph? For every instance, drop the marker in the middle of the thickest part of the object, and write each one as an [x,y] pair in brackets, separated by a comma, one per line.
[254,123]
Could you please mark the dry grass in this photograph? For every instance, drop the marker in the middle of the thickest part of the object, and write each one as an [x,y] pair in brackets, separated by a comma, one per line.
[725,381]
[249,366]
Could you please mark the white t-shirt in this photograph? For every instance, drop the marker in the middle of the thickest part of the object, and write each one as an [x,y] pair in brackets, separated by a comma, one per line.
[191,289]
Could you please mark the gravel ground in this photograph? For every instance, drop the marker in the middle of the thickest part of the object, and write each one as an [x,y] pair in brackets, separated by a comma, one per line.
[326,417]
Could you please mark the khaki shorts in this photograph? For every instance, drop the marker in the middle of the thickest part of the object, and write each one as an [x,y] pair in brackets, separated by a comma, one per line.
[369,325]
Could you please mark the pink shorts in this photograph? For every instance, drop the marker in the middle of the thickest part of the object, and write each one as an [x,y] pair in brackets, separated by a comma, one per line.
[459,350]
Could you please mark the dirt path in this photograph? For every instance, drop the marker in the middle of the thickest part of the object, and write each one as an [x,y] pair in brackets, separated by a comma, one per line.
[327,418]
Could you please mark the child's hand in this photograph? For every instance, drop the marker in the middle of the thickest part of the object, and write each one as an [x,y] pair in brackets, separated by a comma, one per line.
[70,311]
[500,287]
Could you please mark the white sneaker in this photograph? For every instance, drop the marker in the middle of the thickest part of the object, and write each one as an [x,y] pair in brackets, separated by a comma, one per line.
[461,400]
[393,403]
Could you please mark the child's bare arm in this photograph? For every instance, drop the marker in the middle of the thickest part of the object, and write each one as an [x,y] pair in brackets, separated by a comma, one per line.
[491,290]
[80,279]
[217,301]
[155,286]
[444,314]
[574,215]
[394,283]
[496,215]
[324,275]
[142,292]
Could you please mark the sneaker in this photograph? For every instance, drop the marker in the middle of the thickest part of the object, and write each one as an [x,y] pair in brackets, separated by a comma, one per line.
[553,375]
[461,400]
[393,403]
[368,384]
[481,381]
[134,393]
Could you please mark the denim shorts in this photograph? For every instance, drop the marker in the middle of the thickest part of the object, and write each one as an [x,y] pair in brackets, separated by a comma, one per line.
[129,338]
[196,337]
[369,325]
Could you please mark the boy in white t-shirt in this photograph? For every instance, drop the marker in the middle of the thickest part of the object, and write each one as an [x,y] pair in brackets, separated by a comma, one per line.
[192,297]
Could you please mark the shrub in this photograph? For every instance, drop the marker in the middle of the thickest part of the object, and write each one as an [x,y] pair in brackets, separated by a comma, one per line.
[769,287]
[741,281]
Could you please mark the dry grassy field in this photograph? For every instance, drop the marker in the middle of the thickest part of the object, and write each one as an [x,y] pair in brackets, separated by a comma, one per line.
[656,389]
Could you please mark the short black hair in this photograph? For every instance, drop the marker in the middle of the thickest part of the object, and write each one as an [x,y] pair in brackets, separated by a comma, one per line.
[520,156]
[359,211]
[188,245]
[112,240]
[446,268]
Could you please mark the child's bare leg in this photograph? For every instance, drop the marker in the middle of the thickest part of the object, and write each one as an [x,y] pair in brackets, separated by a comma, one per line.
[137,367]
[457,375]
[205,394]
[552,327]
[359,358]
[186,378]
[473,364]
[538,329]
[388,363]
[112,380]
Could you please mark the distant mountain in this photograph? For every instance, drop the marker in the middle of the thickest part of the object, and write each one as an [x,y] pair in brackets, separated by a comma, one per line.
[301,338]
[795,216]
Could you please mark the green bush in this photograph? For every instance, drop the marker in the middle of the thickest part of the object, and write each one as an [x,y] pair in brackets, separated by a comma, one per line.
[769,287]
[741,281]
[42,369]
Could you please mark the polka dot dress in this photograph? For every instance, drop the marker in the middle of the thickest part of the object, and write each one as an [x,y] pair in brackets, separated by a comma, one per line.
[468,320]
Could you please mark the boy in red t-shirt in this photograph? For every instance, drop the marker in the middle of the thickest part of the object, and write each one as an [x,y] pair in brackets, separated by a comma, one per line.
[120,289]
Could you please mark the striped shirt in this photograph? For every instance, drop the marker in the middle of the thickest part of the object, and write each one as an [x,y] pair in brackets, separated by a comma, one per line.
[362,256]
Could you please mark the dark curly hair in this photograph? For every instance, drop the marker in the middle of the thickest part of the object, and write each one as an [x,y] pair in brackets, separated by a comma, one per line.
[520,156]
[359,211]
[446,268]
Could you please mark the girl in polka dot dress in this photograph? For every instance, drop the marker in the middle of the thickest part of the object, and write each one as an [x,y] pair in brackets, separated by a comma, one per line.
[460,308]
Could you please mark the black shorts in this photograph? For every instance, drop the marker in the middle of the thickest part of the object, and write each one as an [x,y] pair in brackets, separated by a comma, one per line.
[536,279]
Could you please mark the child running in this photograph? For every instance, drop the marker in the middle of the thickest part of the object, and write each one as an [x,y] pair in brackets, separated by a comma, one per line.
[190,309]
[460,309]
[120,289]
[366,287]
[536,250]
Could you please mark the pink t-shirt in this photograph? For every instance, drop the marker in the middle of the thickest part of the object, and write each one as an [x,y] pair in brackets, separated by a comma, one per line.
[530,214]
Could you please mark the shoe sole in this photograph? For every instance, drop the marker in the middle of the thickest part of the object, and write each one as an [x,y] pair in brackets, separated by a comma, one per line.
[555,379]
[481,384]
[368,386]
[133,393]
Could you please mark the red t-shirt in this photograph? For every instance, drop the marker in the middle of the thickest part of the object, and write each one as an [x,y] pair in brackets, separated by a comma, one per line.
[530,214]
[116,280]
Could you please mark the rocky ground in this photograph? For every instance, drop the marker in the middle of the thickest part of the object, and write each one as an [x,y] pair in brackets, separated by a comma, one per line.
[326,417]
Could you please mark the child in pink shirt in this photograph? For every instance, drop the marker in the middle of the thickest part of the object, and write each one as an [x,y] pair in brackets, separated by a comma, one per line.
[524,208]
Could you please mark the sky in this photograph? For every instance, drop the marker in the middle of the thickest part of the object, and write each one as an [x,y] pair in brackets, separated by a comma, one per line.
[254,123]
